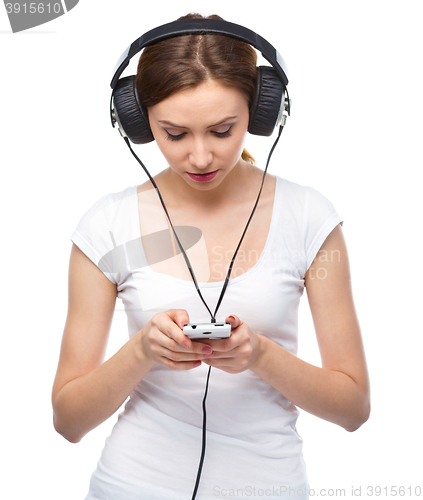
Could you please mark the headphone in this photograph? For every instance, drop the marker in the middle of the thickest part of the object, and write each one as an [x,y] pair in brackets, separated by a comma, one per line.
[270,106]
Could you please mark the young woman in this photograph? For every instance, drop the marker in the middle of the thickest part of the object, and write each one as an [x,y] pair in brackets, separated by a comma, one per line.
[197,90]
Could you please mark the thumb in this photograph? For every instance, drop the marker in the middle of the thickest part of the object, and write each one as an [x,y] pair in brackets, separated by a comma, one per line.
[234,321]
[178,316]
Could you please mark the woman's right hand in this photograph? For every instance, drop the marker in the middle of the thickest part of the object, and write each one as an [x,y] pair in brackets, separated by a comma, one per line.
[163,341]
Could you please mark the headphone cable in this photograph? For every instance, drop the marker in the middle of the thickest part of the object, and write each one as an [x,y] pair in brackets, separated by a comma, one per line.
[203,448]
[213,316]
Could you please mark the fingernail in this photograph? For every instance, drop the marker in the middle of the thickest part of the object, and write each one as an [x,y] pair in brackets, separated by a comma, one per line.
[207,350]
[232,317]
[197,363]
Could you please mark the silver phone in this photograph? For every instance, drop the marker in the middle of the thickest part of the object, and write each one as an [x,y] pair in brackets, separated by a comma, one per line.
[207,330]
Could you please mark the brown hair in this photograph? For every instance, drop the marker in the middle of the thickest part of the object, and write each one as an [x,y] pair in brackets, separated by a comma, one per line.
[183,62]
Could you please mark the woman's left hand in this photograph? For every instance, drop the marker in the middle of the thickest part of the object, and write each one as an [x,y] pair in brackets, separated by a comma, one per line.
[237,353]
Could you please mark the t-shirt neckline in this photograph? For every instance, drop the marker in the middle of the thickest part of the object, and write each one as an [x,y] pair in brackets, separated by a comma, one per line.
[252,270]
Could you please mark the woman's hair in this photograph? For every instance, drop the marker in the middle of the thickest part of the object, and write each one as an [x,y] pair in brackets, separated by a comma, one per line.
[184,62]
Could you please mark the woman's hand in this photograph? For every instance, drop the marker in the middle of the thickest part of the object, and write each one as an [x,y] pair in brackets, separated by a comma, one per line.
[163,341]
[237,353]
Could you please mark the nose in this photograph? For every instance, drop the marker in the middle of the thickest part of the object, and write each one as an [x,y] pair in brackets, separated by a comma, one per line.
[200,155]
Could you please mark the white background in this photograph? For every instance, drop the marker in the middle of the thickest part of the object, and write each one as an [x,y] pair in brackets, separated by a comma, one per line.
[355,134]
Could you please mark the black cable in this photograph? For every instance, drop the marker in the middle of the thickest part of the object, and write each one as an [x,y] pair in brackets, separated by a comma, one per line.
[213,316]
[203,449]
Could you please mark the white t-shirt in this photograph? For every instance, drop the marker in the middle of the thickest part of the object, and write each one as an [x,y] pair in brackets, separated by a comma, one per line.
[253,449]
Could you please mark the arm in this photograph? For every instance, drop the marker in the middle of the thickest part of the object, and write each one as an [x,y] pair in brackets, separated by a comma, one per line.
[339,391]
[87,391]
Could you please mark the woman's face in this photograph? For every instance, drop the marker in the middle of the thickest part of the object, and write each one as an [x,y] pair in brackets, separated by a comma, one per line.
[201,132]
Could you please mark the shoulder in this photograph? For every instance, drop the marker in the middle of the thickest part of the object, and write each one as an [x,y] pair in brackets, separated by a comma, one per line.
[306,217]
[110,202]
[302,192]
[104,215]
[116,197]
[303,200]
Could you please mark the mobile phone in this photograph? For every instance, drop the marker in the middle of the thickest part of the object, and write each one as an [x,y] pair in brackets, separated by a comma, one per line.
[207,330]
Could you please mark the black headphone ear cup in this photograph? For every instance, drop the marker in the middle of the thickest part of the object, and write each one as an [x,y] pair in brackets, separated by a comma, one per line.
[130,113]
[265,108]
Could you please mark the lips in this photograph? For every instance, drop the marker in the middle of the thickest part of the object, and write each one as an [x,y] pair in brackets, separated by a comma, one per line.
[203,177]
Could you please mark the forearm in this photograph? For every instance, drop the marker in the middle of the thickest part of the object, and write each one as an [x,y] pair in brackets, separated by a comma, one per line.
[328,394]
[86,402]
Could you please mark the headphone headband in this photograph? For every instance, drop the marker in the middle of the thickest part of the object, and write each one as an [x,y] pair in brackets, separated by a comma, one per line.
[199,26]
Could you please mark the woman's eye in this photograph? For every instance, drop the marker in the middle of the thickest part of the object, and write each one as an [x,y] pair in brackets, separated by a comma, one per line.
[221,135]
[172,137]
[178,137]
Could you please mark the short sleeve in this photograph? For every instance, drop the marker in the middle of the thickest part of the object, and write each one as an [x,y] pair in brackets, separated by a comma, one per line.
[94,235]
[320,219]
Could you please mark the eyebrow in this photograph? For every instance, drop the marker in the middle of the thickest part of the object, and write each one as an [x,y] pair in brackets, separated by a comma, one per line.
[166,122]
